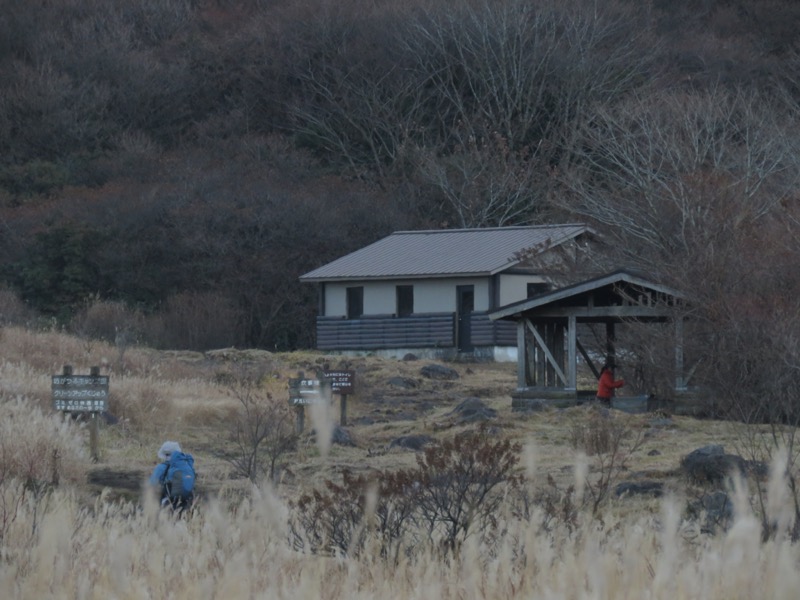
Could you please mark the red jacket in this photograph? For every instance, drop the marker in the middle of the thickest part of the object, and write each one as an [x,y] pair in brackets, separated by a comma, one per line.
[607,384]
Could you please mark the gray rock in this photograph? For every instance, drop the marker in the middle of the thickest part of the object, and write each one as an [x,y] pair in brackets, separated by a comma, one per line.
[342,437]
[434,371]
[715,509]
[711,464]
[473,409]
[405,383]
[411,442]
[640,488]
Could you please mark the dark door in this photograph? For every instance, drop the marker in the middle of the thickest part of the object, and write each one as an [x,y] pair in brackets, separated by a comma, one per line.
[465,304]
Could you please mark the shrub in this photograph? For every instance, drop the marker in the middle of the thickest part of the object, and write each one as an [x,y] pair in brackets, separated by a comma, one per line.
[263,431]
[456,489]
[41,450]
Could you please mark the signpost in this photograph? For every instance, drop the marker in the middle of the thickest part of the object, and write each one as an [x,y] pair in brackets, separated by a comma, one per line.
[304,390]
[342,384]
[82,394]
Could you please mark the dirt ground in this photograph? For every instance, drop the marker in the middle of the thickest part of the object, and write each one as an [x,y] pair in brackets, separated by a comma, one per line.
[393,399]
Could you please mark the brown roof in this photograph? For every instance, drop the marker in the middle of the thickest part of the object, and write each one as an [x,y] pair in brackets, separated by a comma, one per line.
[446,252]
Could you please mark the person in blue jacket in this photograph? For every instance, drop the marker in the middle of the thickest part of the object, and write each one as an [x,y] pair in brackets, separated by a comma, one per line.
[158,479]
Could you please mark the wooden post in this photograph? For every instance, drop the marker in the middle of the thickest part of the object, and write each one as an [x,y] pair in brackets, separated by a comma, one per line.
[572,351]
[522,355]
[93,436]
[300,411]
[94,431]
[343,410]
[67,370]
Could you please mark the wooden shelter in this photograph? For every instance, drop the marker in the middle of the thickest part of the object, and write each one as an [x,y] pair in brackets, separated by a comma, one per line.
[548,342]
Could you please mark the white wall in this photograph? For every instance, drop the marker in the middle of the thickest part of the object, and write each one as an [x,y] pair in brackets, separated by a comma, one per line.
[514,288]
[430,296]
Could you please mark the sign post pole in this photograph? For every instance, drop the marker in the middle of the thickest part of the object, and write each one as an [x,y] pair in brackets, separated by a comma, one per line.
[83,394]
[304,391]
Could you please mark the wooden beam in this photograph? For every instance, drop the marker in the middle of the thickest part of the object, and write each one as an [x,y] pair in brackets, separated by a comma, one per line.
[572,354]
[522,354]
[690,373]
[587,358]
[547,353]
[601,312]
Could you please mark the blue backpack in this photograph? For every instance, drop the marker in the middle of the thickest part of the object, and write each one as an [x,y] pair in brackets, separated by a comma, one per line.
[179,478]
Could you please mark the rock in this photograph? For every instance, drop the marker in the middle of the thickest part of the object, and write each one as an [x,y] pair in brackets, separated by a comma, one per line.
[473,409]
[711,464]
[409,356]
[640,488]
[717,510]
[411,442]
[342,437]
[405,383]
[434,371]
[654,452]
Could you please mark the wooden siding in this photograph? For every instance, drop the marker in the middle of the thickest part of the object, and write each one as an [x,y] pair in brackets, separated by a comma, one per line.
[486,332]
[381,332]
[418,331]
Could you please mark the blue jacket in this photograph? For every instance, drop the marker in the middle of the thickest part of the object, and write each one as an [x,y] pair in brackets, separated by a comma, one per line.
[158,474]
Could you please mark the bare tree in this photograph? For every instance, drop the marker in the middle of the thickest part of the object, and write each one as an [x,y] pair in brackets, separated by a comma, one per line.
[263,430]
[698,187]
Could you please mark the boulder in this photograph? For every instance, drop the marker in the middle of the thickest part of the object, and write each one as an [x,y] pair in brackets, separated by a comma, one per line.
[342,437]
[715,509]
[405,383]
[473,409]
[640,488]
[710,464]
[411,442]
[434,371]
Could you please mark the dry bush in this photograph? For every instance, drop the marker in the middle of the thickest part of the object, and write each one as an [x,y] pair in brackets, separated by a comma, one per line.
[610,441]
[195,321]
[12,309]
[263,429]
[142,406]
[456,490]
[39,449]
[107,321]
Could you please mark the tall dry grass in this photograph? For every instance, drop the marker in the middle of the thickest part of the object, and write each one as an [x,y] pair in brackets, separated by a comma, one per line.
[56,549]
[56,544]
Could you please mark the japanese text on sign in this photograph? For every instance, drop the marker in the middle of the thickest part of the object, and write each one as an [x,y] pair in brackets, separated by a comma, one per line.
[80,393]
[304,391]
[341,381]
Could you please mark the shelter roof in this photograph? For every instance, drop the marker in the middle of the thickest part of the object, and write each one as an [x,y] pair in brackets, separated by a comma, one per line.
[446,252]
[621,293]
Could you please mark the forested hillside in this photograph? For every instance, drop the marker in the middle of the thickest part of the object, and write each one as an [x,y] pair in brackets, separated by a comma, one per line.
[169,167]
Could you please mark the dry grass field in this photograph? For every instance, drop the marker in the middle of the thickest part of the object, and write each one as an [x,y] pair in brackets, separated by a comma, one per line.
[73,528]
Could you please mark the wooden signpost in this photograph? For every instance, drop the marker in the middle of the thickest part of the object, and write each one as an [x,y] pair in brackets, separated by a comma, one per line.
[304,390]
[82,394]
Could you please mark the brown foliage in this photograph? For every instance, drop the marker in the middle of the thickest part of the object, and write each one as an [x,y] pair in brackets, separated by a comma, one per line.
[455,491]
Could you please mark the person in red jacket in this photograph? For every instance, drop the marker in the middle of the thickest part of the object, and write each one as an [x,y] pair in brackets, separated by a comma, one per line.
[607,384]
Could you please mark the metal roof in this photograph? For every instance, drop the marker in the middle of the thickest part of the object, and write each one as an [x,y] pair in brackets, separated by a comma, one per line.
[445,252]
[516,309]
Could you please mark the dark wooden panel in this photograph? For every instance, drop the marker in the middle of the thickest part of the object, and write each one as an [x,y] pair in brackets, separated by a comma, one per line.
[417,331]
[492,333]
[374,333]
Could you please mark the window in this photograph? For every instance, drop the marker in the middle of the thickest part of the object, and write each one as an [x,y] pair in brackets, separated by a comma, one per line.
[355,302]
[405,300]
[534,289]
